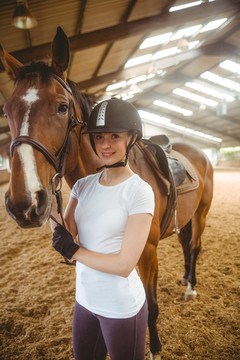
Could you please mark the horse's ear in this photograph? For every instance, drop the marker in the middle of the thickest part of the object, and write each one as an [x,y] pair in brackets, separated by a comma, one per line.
[11,65]
[60,52]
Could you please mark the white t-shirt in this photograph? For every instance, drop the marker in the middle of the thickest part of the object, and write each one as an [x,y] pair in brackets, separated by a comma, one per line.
[101,216]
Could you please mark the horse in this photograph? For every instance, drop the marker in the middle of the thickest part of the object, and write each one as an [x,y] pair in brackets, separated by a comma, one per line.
[46,115]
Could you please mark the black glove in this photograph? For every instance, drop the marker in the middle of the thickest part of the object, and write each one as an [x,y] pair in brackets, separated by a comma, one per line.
[63,242]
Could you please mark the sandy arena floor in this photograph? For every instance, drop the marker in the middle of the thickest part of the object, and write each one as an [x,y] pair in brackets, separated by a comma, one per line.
[37,291]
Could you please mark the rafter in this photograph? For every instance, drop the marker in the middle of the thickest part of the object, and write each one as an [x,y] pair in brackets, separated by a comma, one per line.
[110,45]
[218,49]
[190,123]
[78,29]
[154,95]
[114,33]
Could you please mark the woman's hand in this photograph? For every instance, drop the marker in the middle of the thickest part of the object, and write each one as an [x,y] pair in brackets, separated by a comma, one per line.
[63,242]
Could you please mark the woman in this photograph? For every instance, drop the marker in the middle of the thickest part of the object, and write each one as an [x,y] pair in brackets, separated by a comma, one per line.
[111,212]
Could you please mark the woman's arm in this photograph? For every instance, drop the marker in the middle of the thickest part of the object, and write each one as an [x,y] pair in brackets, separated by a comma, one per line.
[122,264]
[69,217]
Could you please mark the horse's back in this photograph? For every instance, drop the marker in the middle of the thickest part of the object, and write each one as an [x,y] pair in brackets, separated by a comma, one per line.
[189,202]
[196,157]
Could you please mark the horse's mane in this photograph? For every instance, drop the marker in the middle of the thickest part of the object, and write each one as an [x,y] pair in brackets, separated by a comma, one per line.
[86,101]
[44,71]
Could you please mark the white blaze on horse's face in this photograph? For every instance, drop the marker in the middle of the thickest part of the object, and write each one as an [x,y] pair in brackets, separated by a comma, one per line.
[25,151]
[29,98]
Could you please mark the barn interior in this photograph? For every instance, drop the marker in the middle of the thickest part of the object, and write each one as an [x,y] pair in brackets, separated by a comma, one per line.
[177,61]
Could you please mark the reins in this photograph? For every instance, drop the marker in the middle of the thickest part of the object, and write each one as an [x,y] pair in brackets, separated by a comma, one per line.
[58,161]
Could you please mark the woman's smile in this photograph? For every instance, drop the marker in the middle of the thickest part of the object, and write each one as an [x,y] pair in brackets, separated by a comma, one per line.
[107,154]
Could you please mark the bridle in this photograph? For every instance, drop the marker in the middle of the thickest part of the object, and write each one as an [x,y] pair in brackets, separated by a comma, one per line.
[59,159]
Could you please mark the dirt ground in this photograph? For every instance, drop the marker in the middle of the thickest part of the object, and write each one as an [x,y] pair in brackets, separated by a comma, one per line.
[37,291]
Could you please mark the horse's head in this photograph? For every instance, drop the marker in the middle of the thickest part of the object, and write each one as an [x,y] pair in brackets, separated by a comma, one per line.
[41,114]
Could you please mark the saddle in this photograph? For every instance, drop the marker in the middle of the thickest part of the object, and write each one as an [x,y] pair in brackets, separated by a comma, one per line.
[176,169]
[174,165]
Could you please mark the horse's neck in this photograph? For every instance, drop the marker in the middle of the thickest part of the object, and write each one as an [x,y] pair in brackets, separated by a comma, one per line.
[84,160]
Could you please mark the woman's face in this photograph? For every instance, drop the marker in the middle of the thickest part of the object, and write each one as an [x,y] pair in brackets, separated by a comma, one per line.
[111,147]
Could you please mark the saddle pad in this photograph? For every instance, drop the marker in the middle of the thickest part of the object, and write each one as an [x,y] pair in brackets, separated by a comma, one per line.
[191,181]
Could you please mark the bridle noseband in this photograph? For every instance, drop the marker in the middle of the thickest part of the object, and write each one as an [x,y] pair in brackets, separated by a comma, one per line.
[58,160]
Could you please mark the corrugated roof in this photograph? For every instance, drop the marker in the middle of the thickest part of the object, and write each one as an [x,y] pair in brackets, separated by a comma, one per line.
[104,35]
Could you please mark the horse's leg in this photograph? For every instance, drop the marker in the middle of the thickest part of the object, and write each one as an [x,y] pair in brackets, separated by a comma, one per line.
[190,238]
[198,226]
[148,269]
[190,257]
[185,237]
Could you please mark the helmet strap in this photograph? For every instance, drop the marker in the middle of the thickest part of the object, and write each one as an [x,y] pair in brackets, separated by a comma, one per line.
[120,163]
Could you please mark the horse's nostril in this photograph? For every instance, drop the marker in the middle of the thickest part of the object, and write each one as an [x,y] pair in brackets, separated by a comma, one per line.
[32,212]
[42,200]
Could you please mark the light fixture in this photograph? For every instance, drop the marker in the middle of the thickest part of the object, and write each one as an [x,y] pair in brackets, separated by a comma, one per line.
[222,109]
[230,66]
[164,53]
[210,91]
[183,44]
[116,86]
[155,40]
[195,97]
[153,118]
[185,6]
[22,17]
[216,79]
[212,25]
[186,32]
[138,60]
[173,107]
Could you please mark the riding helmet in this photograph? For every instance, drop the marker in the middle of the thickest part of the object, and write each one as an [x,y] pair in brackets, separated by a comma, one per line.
[114,116]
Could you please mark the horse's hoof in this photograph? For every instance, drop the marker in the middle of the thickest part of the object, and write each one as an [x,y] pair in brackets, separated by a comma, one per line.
[190,294]
[155,357]
[184,282]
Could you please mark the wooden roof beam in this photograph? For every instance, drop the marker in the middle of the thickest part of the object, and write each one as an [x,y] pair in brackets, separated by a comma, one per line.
[190,123]
[110,45]
[102,36]
[219,49]
[151,95]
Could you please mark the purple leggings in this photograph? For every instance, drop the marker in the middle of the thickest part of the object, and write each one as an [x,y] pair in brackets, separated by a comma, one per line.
[95,335]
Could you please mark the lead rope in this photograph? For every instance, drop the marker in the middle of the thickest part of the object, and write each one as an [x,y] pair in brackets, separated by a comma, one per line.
[58,193]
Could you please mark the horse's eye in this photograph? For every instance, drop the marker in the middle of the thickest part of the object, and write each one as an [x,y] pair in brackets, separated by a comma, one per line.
[5,115]
[62,108]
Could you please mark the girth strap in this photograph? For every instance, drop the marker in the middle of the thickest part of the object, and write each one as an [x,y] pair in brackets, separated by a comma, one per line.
[158,153]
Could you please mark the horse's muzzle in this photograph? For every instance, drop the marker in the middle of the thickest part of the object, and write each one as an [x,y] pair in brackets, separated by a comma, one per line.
[33,212]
